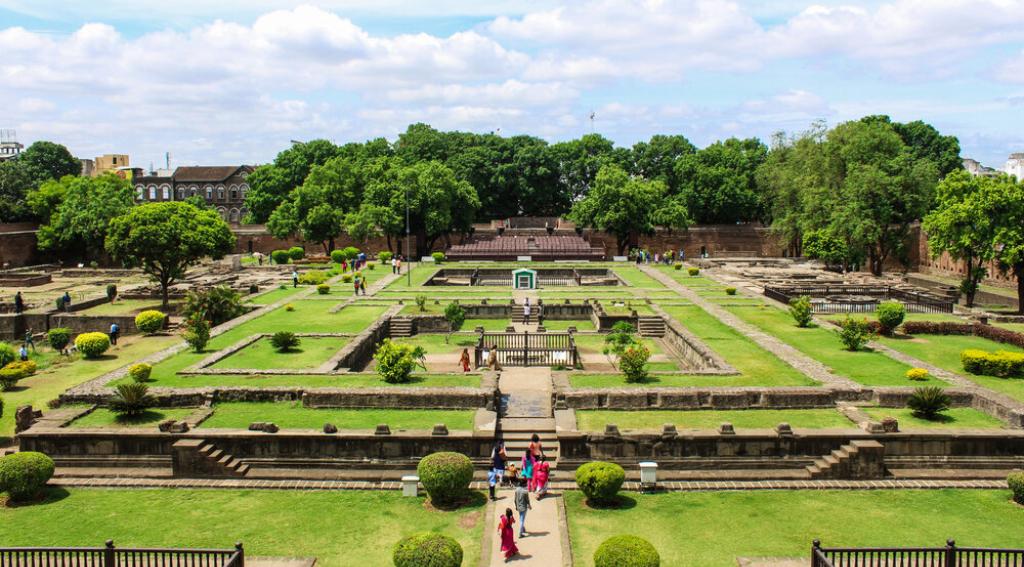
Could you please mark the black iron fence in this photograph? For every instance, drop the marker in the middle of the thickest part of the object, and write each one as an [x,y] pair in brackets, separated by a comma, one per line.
[527,349]
[948,556]
[111,556]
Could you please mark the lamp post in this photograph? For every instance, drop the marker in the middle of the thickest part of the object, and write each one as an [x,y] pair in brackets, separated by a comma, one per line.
[408,232]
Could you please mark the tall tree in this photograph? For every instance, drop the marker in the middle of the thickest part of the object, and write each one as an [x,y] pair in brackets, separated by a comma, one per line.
[47,160]
[164,239]
[578,162]
[656,159]
[925,142]
[718,183]
[15,183]
[271,184]
[623,206]
[79,223]
[1009,236]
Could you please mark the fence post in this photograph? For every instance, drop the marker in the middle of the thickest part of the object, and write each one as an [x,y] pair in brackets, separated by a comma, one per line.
[815,546]
[109,560]
[241,554]
[950,553]
[526,348]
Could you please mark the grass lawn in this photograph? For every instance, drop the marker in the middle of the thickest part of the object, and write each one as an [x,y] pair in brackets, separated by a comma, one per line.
[595,420]
[584,380]
[937,317]
[943,350]
[311,352]
[951,418]
[277,295]
[1018,327]
[866,367]
[627,307]
[338,527]
[435,343]
[712,529]
[126,307]
[420,274]
[353,380]
[47,384]
[102,417]
[759,366]
[291,415]
[636,278]
[488,324]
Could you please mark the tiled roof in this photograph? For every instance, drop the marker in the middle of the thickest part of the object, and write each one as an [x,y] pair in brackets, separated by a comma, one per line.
[206,174]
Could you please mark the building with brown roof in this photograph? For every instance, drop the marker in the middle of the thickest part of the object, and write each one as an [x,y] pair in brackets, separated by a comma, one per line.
[223,187]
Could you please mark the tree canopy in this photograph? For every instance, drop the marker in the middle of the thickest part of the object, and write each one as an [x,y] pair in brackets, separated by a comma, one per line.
[82,208]
[47,160]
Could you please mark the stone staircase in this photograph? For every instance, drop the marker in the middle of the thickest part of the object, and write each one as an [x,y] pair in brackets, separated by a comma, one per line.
[651,326]
[400,327]
[855,460]
[199,458]
[517,441]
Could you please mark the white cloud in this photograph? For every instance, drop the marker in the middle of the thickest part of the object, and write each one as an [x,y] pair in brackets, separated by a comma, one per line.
[1012,70]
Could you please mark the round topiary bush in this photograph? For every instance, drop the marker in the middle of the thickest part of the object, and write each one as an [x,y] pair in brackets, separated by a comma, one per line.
[58,337]
[323,289]
[296,253]
[280,256]
[438,257]
[678,267]
[1016,483]
[92,345]
[10,374]
[445,476]
[600,481]
[23,475]
[890,315]
[693,271]
[140,372]
[626,551]
[427,549]
[384,256]
[150,321]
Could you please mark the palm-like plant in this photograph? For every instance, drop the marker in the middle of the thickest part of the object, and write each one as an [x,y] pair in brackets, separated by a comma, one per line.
[928,402]
[132,399]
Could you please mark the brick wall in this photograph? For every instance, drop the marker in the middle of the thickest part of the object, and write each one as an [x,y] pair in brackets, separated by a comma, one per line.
[18,245]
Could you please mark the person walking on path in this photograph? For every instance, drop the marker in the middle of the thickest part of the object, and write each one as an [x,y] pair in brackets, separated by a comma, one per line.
[465,360]
[492,358]
[540,314]
[30,341]
[398,265]
[508,542]
[295,278]
[541,474]
[527,464]
[362,285]
[394,262]
[19,303]
[498,458]
[355,282]
[526,312]
[115,330]
[522,499]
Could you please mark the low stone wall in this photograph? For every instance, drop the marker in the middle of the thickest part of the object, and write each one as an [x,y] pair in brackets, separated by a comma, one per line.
[704,398]
[24,280]
[398,398]
[691,349]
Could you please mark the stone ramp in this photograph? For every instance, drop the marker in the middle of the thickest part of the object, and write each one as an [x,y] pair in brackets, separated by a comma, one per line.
[542,545]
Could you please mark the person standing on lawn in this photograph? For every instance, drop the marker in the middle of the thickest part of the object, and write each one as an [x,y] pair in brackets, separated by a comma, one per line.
[30,341]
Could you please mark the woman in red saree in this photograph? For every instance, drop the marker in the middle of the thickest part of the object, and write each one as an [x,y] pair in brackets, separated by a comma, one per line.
[508,544]
[465,360]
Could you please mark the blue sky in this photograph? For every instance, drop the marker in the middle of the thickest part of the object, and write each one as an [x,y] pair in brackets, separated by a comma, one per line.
[234,81]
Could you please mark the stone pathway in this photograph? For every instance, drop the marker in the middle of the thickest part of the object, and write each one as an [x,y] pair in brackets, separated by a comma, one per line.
[791,356]
[542,545]
[527,392]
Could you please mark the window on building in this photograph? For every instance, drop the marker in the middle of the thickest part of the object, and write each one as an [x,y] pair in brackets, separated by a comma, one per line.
[209,193]
[140,192]
[152,192]
[165,193]
[220,193]
[181,193]
[234,194]
[234,215]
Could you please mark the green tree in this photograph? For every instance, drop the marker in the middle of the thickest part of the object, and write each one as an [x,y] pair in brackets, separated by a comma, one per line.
[657,159]
[718,183]
[47,160]
[579,162]
[925,142]
[271,184]
[15,183]
[79,223]
[962,224]
[1009,236]
[45,200]
[164,239]
[624,206]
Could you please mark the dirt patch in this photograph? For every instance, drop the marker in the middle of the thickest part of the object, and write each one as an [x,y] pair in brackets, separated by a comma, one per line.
[469,521]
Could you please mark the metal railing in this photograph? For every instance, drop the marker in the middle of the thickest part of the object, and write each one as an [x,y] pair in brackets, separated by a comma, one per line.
[527,349]
[948,556]
[916,302]
[111,556]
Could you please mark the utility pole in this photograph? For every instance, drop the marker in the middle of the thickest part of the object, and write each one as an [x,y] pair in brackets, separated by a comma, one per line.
[592,116]
[408,237]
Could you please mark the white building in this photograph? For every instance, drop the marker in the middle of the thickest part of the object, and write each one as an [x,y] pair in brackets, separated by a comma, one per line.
[1015,166]
[975,168]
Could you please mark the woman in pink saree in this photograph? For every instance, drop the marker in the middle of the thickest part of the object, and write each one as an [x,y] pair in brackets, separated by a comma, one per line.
[508,544]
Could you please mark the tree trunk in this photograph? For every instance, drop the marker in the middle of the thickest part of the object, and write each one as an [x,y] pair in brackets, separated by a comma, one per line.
[621,242]
[164,284]
[390,249]
[1018,270]
[972,284]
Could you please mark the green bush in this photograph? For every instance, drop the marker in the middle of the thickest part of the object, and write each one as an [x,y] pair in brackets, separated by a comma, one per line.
[131,399]
[1016,483]
[150,321]
[140,372]
[216,305]
[14,371]
[111,292]
[633,363]
[890,315]
[626,551]
[678,267]
[455,315]
[421,302]
[23,475]
[427,549]
[7,354]
[323,289]
[395,362]
[1000,363]
[347,278]
[284,341]
[371,265]
[351,252]
[927,402]
[58,338]
[337,256]
[296,253]
[313,277]
[445,476]
[197,333]
[385,256]
[800,309]
[92,345]
[730,291]
[279,256]
[622,336]
[438,257]
[693,271]
[854,334]
[600,481]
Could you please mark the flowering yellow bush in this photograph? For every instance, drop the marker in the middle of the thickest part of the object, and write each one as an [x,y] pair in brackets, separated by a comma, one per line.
[917,374]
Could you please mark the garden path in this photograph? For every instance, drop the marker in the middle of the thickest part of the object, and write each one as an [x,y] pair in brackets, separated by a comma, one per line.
[542,544]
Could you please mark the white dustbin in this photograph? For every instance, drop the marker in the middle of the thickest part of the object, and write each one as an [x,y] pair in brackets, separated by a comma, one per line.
[410,485]
[648,475]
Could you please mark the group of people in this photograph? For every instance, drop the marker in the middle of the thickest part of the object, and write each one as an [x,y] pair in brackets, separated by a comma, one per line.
[396,264]
[528,310]
[642,256]
[532,477]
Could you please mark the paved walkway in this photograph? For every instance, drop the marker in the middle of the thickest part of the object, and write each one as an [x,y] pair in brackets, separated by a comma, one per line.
[527,391]
[542,545]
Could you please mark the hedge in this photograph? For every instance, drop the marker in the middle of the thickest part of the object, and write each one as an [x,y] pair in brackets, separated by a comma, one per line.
[445,476]
[990,332]
[600,481]
[427,549]
[626,551]
[140,372]
[23,475]
[7,354]
[92,345]
[11,373]
[280,256]
[1000,363]
[150,321]
[313,277]
[296,253]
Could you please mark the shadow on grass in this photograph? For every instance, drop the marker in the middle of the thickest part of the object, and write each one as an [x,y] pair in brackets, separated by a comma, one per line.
[937,418]
[50,495]
[472,499]
[145,418]
[619,502]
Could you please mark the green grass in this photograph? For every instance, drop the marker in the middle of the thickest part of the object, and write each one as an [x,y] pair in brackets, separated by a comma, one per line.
[291,415]
[102,417]
[866,367]
[126,307]
[311,353]
[488,324]
[435,343]
[757,366]
[353,380]
[943,350]
[584,380]
[712,529]
[595,420]
[338,527]
[1017,327]
[636,278]
[950,419]
[277,295]
[47,384]
[581,325]
[627,308]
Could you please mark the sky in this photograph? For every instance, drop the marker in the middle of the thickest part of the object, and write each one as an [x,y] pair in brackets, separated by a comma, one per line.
[235,81]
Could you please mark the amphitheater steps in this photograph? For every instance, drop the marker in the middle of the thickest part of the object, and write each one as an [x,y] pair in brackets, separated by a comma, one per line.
[845,462]
[651,326]
[400,327]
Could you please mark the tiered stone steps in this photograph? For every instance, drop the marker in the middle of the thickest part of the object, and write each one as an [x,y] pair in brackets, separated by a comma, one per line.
[841,462]
[228,464]
[204,459]
[400,327]
[651,326]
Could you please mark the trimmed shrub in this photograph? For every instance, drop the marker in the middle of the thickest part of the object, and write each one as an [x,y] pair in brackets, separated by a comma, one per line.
[890,315]
[111,292]
[385,256]
[917,374]
[693,271]
[600,481]
[347,278]
[371,265]
[7,354]
[854,334]
[351,252]
[1000,363]
[216,305]
[936,328]
[427,549]
[289,308]
[626,551]
[58,338]
[131,399]
[337,256]
[323,289]
[800,309]
[421,302]
[284,341]
[445,476]
[455,315]
[633,363]
[730,291]
[92,345]
[253,288]
[395,362]
[678,267]
[280,256]
[438,257]
[140,372]
[1016,483]
[150,321]
[314,277]
[927,402]
[296,253]
[14,371]
[23,475]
